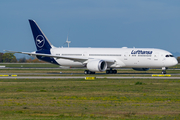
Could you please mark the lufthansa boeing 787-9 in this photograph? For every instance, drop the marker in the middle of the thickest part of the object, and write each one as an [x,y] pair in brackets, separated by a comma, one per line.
[99,59]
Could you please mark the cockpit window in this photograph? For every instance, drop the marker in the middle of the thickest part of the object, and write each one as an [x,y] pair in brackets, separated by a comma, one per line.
[169,56]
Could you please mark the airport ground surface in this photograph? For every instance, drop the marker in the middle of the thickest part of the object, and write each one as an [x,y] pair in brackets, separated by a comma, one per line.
[53,93]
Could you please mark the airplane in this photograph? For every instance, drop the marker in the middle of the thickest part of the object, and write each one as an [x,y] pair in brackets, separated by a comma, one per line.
[99,59]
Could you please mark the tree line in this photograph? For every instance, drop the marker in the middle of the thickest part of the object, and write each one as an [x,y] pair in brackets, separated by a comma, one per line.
[178,59]
[11,58]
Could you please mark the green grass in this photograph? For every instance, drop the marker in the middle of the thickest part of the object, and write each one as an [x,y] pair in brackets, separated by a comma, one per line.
[80,99]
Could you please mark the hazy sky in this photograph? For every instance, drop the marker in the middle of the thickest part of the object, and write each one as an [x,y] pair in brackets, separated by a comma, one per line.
[92,23]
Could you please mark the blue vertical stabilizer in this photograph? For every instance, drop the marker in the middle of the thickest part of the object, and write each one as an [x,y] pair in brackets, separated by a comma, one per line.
[41,41]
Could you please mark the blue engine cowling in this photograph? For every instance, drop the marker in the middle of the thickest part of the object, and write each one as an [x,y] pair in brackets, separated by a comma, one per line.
[141,69]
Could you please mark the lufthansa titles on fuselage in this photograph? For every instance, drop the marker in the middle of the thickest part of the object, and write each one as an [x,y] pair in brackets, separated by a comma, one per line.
[141,52]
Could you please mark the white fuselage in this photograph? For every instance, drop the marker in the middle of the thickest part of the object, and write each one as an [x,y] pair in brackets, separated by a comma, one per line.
[123,57]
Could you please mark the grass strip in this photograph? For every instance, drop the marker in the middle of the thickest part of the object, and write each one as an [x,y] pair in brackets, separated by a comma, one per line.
[98,99]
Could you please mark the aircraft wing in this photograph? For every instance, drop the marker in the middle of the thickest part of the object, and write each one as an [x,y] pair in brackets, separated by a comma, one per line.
[81,59]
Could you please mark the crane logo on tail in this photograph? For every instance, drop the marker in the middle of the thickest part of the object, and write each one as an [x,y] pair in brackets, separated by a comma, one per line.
[40,41]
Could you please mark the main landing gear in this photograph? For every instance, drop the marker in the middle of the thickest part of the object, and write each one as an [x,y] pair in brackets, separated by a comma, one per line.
[88,72]
[111,71]
[164,70]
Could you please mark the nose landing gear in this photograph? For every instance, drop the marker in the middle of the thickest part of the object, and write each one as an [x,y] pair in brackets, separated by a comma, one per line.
[164,70]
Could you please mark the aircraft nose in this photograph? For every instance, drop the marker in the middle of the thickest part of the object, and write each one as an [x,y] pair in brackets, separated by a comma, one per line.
[174,62]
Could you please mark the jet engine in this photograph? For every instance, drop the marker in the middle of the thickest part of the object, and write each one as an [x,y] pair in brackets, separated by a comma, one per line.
[141,69]
[97,65]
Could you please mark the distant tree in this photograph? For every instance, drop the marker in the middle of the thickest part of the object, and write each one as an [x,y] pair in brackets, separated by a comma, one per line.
[22,60]
[13,60]
[178,59]
[29,60]
[9,57]
[36,61]
[1,57]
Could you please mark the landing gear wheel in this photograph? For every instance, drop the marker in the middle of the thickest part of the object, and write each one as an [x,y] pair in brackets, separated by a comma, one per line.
[163,72]
[111,71]
[107,71]
[115,71]
[88,72]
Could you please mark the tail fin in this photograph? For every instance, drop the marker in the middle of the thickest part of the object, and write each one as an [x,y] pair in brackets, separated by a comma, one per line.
[41,41]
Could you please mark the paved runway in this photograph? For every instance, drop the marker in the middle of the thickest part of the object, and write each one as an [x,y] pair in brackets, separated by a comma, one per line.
[83,77]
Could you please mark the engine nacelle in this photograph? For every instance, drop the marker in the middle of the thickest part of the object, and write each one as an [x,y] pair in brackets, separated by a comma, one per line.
[141,69]
[97,65]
